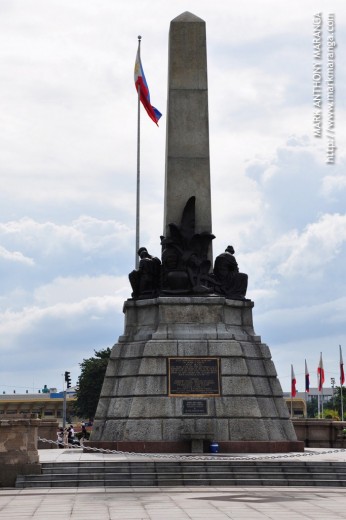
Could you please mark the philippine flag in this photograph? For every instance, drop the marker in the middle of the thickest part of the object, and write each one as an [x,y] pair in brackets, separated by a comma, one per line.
[141,82]
[307,379]
[293,383]
[320,374]
[342,373]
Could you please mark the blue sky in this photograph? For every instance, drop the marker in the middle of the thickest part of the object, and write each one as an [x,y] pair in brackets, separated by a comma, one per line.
[68,175]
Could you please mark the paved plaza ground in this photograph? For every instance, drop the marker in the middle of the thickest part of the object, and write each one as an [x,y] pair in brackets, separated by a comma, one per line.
[198,503]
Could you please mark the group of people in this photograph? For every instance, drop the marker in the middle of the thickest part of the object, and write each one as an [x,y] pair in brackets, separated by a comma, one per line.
[67,437]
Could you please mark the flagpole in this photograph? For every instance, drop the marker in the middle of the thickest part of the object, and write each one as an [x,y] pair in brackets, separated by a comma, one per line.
[341,383]
[291,391]
[342,404]
[138,163]
[321,378]
[322,402]
[319,388]
[306,395]
[291,406]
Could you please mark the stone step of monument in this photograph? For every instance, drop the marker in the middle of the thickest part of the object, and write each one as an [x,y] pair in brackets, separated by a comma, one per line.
[168,474]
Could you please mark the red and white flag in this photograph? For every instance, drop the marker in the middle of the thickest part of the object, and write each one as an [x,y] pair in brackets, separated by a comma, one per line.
[320,374]
[293,383]
[342,373]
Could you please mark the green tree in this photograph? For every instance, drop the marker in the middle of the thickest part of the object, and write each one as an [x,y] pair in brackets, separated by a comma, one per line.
[312,407]
[337,399]
[90,383]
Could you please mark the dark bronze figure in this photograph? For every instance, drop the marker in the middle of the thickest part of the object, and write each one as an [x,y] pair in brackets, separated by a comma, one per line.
[145,281]
[232,283]
[185,267]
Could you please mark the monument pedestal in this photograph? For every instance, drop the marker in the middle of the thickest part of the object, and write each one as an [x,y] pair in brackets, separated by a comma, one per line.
[189,370]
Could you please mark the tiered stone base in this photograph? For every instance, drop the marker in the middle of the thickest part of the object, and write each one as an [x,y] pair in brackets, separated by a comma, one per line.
[137,410]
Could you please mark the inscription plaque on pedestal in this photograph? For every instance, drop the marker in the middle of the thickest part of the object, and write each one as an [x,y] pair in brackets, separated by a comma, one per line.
[194,376]
[195,407]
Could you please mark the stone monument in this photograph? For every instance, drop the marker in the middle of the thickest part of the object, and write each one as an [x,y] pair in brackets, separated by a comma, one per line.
[187,141]
[189,367]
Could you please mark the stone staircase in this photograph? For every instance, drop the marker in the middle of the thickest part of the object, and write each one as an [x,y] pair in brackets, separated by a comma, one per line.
[176,474]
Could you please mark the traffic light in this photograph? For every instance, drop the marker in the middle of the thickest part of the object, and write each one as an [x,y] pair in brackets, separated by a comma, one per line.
[68,379]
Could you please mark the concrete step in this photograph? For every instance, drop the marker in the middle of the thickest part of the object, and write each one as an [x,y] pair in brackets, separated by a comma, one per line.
[151,474]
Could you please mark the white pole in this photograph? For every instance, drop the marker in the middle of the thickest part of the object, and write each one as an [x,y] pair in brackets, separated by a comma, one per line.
[320,384]
[138,163]
[291,392]
[341,397]
[305,393]
[322,402]
[64,411]
[342,404]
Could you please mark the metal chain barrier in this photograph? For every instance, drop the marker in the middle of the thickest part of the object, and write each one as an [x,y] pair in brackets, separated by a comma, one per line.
[194,457]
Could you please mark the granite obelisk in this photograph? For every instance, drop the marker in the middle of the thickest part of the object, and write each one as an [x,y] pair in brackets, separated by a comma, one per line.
[189,366]
[187,141]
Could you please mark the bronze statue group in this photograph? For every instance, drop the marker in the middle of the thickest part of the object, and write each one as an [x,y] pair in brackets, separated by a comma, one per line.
[185,268]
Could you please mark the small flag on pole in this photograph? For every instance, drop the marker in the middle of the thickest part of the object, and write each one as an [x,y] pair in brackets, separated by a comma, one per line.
[307,379]
[293,383]
[140,82]
[320,374]
[342,373]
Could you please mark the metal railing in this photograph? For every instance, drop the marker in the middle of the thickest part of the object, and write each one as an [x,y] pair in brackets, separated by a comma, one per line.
[195,457]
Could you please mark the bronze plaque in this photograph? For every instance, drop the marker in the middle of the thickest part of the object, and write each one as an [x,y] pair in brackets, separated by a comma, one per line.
[194,376]
[195,407]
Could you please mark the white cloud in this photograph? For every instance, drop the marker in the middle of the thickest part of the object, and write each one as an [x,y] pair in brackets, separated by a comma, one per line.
[86,234]
[74,290]
[15,256]
[16,325]
[313,250]
[332,185]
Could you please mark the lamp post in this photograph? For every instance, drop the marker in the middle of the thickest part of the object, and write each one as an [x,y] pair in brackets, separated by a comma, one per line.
[332,382]
[64,411]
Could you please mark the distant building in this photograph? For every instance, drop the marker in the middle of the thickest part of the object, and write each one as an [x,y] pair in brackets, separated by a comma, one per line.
[314,392]
[298,407]
[46,405]
[299,404]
